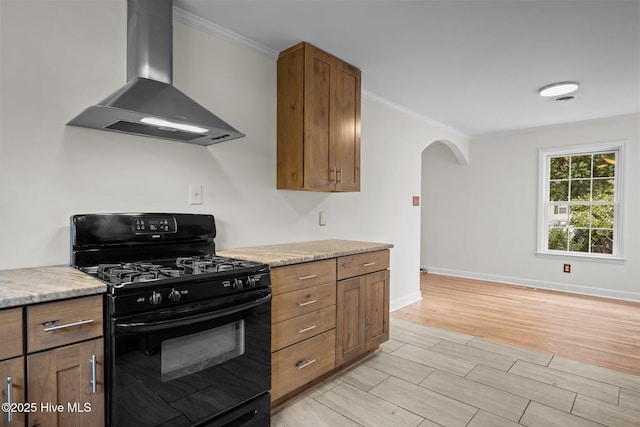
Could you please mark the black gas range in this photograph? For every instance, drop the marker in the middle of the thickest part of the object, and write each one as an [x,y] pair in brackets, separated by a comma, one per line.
[188,332]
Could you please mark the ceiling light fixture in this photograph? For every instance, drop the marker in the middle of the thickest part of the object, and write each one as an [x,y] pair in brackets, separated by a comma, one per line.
[558,89]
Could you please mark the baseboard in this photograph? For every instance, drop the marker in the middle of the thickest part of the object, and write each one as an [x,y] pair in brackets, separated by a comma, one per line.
[554,286]
[405,300]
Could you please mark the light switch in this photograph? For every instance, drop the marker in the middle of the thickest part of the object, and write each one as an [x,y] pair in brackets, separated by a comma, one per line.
[195,194]
[323,218]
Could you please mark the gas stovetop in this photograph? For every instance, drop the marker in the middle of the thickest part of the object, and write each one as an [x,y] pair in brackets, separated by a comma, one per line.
[159,260]
[122,274]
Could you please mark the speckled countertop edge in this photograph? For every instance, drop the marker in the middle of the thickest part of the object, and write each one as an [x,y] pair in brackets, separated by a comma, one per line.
[32,285]
[39,284]
[298,252]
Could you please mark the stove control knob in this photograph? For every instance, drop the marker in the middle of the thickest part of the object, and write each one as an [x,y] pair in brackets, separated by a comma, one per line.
[237,284]
[155,298]
[174,296]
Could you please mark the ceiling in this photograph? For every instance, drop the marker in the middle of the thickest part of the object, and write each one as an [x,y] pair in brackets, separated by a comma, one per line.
[475,66]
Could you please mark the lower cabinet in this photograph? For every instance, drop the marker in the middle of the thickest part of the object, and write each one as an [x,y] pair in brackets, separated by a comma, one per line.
[325,314]
[63,364]
[301,363]
[303,334]
[68,381]
[13,391]
[362,315]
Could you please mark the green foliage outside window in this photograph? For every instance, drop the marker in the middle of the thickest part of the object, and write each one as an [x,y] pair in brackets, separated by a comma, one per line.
[586,183]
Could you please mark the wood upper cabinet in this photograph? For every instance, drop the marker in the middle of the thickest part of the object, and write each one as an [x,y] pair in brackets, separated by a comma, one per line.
[318,129]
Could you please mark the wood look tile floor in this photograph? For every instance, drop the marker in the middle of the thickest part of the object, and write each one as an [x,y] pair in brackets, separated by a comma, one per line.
[426,376]
[430,376]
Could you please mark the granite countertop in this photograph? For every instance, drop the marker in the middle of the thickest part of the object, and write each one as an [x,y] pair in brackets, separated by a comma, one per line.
[38,284]
[294,253]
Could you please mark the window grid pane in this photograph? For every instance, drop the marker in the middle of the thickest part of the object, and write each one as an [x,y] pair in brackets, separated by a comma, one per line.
[581,202]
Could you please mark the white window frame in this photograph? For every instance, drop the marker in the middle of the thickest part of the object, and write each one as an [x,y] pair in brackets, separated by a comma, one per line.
[543,202]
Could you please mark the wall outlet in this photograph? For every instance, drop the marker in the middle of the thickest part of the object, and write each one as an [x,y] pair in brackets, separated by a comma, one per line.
[195,194]
[566,268]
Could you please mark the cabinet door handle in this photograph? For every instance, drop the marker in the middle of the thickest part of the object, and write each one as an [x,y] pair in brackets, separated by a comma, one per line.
[333,175]
[340,180]
[68,325]
[308,328]
[9,399]
[301,364]
[311,276]
[368,264]
[302,304]
[93,374]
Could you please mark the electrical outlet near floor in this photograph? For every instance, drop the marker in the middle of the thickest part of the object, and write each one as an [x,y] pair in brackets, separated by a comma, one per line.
[566,268]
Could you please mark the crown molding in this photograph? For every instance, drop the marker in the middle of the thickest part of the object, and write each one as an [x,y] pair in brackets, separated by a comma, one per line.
[411,113]
[195,21]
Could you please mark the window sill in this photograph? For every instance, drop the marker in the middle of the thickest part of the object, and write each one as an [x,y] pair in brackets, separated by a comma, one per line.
[577,257]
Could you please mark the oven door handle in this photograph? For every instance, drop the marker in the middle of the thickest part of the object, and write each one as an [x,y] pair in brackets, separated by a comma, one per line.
[136,327]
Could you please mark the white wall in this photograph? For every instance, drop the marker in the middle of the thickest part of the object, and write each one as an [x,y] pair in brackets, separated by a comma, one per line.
[59,57]
[480,220]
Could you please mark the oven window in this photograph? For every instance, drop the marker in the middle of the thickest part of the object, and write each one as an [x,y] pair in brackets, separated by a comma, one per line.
[188,354]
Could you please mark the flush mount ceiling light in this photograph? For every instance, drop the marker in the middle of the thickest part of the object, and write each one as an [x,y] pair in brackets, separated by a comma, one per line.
[559,89]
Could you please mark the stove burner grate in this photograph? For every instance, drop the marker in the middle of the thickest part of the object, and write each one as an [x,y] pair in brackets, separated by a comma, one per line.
[120,274]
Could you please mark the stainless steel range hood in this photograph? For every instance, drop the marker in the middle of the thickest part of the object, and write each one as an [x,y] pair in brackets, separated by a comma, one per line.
[149,105]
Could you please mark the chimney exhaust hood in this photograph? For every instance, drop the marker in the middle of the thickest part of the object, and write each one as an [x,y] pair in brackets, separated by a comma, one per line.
[149,105]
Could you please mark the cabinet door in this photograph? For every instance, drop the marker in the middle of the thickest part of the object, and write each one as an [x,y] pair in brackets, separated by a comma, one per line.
[347,128]
[350,325]
[376,309]
[63,379]
[319,89]
[12,375]
[362,315]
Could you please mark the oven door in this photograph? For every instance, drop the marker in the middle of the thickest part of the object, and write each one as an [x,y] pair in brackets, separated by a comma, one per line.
[192,364]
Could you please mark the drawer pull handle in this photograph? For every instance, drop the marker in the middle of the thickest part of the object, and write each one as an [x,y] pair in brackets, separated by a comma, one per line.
[9,400]
[311,276]
[308,328]
[301,364]
[369,264]
[68,325]
[93,374]
[302,304]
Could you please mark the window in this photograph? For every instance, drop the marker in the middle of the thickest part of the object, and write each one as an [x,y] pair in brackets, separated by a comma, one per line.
[580,207]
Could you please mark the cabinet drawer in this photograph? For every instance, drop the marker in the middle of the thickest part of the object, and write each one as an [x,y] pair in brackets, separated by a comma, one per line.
[293,304]
[357,265]
[300,276]
[11,337]
[298,364]
[63,322]
[300,328]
